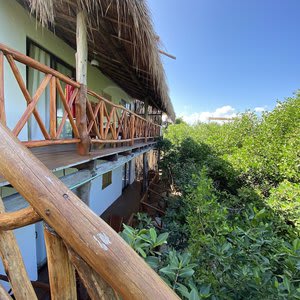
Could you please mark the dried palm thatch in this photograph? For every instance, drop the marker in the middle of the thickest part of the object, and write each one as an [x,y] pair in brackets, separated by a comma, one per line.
[121,37]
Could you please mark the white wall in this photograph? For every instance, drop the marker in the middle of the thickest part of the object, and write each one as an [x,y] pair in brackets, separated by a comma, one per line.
[100,199]
[33,250]
[26,240]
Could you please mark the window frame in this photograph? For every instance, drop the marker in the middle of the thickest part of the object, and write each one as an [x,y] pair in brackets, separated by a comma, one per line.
[106,182]
[54,61]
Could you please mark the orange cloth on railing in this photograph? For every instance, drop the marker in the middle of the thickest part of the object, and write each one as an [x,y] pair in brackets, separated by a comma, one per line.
[68,93]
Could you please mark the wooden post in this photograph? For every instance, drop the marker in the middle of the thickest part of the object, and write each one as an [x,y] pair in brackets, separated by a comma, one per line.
[96,287]
[87,234]
[2,103]
[14,265]
[146,116]
[61,272]
[146,106]
[132,129]
[81,77]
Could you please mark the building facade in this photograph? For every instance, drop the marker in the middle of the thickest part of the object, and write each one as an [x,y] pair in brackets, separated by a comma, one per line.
[98,177]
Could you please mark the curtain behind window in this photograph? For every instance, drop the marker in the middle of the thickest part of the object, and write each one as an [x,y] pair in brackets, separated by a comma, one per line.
[67,130]
[34,80]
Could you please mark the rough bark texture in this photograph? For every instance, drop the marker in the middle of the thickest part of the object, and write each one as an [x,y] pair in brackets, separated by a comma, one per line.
[14,265]
[96,287]
[61,272]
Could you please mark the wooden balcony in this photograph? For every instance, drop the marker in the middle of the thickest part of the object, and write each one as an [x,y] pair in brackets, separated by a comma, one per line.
[107,123]
[111,128]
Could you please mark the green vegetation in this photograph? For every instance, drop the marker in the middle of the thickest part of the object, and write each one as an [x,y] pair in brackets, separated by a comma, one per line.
[234,218]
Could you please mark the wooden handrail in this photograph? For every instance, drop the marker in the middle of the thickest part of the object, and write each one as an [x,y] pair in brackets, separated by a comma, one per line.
[81,229]
[30,62]
[91,93]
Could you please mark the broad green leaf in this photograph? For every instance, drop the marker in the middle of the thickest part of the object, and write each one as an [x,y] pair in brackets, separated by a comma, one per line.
[162,238]
[183,290]
[194,295]
[168,272]
[153,234]
[286,283]
[152,261]
[142,252]
[186,272]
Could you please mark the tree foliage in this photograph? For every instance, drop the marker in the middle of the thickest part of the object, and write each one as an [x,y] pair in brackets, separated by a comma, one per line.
[231,229]
[240,194]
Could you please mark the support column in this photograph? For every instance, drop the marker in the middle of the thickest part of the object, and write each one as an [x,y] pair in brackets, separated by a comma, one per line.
[81,77]
[145,157]
[146,112]
[146,116]
[61,272]
[83,192]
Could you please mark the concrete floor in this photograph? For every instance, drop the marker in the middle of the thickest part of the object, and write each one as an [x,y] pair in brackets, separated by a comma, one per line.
[126,204]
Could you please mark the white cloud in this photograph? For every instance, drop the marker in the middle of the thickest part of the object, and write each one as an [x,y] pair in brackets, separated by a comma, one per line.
[226,111]
[260,109]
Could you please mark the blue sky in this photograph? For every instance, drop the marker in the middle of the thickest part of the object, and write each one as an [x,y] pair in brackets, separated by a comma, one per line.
[237,54]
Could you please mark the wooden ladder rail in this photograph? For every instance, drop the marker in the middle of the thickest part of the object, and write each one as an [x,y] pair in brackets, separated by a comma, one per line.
[81,229]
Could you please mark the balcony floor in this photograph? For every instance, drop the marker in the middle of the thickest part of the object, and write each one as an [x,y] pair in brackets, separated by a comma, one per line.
[127,204]
[59,157]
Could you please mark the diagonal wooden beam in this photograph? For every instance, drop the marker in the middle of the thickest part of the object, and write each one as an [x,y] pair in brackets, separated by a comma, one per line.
[31,106]
[65,115]
[26,94]
[93,115]
[67,108]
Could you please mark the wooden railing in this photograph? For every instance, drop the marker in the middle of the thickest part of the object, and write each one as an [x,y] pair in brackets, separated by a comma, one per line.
[75,237]
[111,123]
[107,122]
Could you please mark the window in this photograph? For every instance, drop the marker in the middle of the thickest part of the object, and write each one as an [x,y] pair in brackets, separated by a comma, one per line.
[106,179]
[34,78]
[125,104]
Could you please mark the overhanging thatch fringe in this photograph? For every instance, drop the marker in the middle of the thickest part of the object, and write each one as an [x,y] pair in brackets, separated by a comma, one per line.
[144,53]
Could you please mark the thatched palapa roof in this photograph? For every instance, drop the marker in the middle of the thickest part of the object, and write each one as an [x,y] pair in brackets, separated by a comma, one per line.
[121,38]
